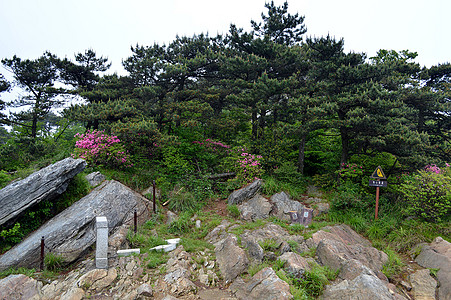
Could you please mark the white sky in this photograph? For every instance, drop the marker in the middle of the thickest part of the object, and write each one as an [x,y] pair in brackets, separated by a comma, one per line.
[110,27]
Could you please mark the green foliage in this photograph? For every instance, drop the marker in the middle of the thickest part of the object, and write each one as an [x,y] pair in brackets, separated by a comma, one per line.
[10,237]
[194,245]
[351,172]
[181,200]
[5,178]
[429,195]
[255,268]
[269,245]
[155,259]
[313,281]
[233,211]
[273,185]
[394,265]
[182,224]
[78,188]
[53,262]
[347,196]
[12,271]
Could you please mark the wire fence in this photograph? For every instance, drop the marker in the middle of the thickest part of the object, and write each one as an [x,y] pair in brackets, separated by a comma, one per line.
[134,217]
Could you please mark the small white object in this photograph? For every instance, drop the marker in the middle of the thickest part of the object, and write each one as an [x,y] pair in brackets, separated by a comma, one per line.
[306,214]
[128,252]
[172,244]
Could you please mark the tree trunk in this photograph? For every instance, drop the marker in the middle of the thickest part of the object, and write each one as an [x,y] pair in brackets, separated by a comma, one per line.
[254,125]
[34,127]
[301,156]
[344,146]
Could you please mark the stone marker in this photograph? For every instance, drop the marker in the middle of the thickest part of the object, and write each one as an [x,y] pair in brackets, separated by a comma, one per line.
[102,243]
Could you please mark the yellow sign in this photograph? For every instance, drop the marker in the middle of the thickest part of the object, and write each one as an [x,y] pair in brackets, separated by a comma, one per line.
[378,174]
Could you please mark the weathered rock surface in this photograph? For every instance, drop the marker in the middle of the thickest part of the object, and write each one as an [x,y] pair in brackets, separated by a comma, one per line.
[342,233]
[283,205]
[72,232]
[257,207]
[231,259]
[276,234]
[363,287]
[241,195]
[20,287]
[44,184]
[335,254]
[95,178]
[437,255]
[295,264]
[263,285]
[423,285]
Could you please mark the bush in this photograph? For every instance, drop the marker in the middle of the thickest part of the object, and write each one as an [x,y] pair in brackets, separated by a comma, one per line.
[429,195]
[53,262]
[347,196]
[101,149]
[233,211]
[5,178]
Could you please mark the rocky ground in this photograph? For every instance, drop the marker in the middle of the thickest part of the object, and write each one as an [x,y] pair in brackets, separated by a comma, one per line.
[223,273]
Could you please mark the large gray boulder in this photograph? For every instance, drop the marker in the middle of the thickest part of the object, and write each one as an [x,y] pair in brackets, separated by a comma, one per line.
[256,208]
[437,255]
[284,205]
[244,194]
[73,231]
[231,259]
[44,184]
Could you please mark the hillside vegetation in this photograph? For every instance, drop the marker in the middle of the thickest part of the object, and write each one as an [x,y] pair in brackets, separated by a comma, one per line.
[265,103]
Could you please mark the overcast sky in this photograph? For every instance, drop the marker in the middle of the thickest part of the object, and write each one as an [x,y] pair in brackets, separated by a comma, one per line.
[110,27]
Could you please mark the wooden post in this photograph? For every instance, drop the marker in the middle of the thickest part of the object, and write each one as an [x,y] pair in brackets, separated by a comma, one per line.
[154,201]
[42,254]
[377,202]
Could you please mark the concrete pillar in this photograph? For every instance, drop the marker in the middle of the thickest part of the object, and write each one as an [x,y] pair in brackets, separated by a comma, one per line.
[102,243]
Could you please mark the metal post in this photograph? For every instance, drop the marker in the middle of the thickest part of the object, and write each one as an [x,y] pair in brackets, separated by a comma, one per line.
[154,202]
[135,220]
[377,202]
[42,254]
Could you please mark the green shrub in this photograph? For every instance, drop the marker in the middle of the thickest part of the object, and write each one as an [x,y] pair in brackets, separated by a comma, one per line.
[11,271]
[269,245]
[394,264]
[314,280]
[5,178]
[53,262]
[182,225]
[347,196]
[233,211]
[429,195]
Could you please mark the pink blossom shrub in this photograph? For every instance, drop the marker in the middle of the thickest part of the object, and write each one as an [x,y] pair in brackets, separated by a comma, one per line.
[101,149]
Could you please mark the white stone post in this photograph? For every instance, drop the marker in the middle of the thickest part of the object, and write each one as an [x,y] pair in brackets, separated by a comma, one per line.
[102,243]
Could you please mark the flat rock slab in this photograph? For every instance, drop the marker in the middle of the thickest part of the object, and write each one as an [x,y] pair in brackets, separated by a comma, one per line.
[72,232]
[44,184]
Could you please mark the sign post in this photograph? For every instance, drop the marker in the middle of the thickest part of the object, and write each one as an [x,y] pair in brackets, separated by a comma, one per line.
[378,174]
